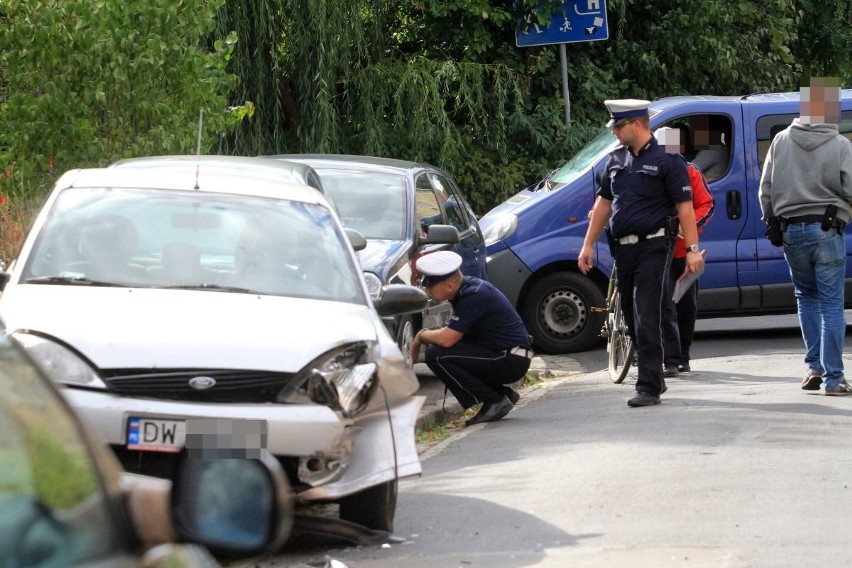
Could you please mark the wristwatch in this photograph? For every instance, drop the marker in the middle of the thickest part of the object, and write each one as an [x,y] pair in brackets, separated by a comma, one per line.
[693,248]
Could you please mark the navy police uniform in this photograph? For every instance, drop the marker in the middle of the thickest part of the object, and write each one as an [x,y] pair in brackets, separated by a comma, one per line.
[643,190]
[494,350]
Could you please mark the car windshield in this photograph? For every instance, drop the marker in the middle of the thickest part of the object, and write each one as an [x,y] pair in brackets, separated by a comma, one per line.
[158,238]
[602,145]
[372,203]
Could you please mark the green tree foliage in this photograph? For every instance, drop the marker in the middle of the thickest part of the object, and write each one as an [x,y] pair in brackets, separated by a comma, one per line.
[824,46]
[705,46]
[257,61]
[385,78]
[84,82]
[666,48]
[442,80]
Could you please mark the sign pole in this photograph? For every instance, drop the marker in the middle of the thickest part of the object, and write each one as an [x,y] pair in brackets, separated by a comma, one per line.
[563,58]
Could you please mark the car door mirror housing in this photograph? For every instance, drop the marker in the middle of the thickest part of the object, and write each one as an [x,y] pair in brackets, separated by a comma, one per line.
[356,239]
[441,235]
[399,299]
[232,504]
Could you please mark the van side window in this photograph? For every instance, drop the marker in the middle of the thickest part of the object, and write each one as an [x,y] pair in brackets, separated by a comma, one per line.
[846,124]
[709,142]
[770,125]
[767,127]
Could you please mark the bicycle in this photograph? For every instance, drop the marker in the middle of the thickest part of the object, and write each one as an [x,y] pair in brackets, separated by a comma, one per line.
[619,345]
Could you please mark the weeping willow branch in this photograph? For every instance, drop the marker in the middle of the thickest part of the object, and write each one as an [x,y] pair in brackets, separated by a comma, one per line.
[432,110]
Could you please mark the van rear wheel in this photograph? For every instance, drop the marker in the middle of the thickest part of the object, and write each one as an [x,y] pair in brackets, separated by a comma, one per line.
[558,313]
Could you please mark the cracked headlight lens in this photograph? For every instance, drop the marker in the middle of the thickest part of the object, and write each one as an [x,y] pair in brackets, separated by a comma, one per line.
[343,379]
[58,362]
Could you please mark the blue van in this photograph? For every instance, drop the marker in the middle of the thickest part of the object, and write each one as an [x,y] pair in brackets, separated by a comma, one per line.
[533,239]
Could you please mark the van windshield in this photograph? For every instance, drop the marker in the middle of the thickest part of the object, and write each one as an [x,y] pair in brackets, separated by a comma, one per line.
[602,145]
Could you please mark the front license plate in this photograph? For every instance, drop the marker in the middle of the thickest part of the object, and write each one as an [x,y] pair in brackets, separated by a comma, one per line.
[155,434]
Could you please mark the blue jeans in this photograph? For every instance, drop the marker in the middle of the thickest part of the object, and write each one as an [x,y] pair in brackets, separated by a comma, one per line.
[817,262]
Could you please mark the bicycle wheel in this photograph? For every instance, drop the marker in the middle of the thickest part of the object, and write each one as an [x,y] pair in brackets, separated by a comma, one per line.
[619,345]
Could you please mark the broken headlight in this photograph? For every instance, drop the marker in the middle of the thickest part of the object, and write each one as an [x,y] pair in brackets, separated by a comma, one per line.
[343,378]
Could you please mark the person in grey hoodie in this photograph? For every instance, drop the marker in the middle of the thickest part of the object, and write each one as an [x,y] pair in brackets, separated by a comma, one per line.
[806,191]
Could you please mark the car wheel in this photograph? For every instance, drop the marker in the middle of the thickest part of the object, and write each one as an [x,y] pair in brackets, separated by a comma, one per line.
[405,337]
[558,313]
[373,508]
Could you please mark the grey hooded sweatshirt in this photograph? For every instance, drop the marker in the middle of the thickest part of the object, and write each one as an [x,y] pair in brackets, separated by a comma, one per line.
[808,167]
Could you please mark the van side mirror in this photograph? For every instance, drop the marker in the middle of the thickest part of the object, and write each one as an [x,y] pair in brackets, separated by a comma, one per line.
[440,235]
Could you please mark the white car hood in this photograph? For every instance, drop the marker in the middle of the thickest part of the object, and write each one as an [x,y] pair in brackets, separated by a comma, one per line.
[145,328]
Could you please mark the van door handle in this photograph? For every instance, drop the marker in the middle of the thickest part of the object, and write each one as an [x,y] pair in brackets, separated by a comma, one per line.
[733,204]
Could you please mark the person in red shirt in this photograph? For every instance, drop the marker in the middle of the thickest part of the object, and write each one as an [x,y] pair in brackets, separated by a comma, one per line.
[679,318]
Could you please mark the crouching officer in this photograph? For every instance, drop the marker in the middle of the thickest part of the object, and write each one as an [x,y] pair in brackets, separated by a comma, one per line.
[644,194]
[483,348]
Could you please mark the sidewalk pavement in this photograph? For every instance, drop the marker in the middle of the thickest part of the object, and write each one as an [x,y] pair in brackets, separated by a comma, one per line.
[440,409]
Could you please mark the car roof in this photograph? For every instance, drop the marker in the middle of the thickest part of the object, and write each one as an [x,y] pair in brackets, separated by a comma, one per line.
[666,102]
[235,182]
[367,163]
[296,170]
[845,95]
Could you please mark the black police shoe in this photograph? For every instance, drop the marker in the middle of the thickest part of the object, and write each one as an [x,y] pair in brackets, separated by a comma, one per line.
[490,412]
[643,399]
[671,371]
[513,395]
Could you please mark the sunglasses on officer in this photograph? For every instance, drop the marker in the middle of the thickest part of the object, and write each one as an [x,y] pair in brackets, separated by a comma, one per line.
[625,122]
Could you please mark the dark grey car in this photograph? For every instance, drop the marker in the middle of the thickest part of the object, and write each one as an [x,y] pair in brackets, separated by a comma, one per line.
[394,203]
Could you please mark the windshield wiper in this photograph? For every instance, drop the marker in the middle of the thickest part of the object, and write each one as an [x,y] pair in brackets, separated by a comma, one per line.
[209,287]
[546,183]
[77,280]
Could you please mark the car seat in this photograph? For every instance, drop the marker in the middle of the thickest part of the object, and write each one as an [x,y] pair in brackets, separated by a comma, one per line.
[107,245]
[180,264]
[268,254]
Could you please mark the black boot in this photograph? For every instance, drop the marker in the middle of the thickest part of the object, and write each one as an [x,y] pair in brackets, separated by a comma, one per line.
[491,411]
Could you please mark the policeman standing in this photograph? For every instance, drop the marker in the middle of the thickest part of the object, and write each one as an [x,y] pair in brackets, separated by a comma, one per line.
[644,193]
[483,348]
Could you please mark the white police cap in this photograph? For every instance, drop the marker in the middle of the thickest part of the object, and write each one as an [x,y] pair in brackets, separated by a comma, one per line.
[438,266]
[621,110]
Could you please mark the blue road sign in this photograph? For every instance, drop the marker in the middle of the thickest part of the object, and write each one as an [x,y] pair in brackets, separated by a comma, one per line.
[576,20]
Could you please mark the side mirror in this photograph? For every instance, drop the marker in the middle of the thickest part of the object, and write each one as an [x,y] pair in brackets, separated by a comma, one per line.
[4,279]
[356,239]
[440,235]
[232,504]
[398,299]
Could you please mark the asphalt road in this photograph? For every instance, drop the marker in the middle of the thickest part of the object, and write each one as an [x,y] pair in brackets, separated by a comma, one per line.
[737,467]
